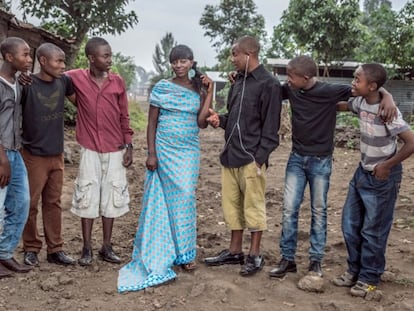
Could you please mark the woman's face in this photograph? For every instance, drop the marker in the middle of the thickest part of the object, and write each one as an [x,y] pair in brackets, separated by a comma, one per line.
[181,67]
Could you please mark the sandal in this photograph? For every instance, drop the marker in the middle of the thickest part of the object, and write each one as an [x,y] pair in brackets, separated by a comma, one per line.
[189,267]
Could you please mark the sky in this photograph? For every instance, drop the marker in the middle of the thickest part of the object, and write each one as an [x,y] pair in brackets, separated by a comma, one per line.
[181,18]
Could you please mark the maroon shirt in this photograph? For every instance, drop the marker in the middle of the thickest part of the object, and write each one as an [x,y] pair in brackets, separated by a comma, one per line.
[102,122]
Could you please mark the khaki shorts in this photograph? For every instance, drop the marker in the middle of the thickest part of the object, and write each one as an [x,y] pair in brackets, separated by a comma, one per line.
[101,188]
[243,197]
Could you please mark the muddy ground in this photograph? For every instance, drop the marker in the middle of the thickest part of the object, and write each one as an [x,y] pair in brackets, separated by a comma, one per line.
[51,287]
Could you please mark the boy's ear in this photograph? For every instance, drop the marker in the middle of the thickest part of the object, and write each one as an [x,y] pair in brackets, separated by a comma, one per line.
[9,57]
[42,60]
[373,86]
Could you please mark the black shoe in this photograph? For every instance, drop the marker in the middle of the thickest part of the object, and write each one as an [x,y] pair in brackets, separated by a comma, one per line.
[60,258]
[315,267]
[107,254]
[252,265]
[30,258]
[284,267]
[86,257]
[225,257]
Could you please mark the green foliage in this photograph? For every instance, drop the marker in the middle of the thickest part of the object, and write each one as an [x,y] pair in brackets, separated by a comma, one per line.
[75,18]
[388,37]
[5,5]
[125,67]
[347,119]
[81,60]
[160,58]
[227,22]
[69,113]
[138,118]
[327,29]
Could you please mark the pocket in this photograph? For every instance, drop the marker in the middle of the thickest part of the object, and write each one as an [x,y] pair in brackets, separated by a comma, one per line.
[82,195]
[120,194]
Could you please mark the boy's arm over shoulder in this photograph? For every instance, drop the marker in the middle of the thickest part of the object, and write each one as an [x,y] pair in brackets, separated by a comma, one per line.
[69,90]
[271,105]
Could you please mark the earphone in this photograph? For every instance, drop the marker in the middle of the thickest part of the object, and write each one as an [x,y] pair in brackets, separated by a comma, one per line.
[237,124]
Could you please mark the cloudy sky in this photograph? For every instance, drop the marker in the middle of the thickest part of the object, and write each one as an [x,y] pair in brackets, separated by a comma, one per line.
[181,18]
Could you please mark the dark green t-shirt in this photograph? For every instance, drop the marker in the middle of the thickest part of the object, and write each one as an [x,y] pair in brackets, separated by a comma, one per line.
[43,115]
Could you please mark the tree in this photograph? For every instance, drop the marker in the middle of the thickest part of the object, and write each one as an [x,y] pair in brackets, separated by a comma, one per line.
[160,58]
[143,76]
[126,68]
[379,26]
[373,5]
[228,21]
[388,37]
[327,29]
[404,46]
[76,18]
[6,5]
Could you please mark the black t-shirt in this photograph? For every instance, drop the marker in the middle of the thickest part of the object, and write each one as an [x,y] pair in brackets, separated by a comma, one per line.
[314,116]
[43,115]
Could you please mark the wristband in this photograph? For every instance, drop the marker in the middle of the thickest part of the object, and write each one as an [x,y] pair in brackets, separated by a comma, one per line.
[126,146]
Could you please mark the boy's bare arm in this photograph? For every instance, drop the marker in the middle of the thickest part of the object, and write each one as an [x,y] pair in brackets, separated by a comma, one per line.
[72,99]
[5,171]
[342,106]
[387,109]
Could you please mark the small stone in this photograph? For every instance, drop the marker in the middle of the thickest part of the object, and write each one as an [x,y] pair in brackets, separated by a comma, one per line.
[311,283]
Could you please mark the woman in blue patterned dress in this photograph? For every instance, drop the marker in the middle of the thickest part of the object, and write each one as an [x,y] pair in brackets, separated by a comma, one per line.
[166,233]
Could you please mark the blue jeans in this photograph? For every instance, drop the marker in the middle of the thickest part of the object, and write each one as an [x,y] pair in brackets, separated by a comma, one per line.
[366,222]
[301,170]
[16,201]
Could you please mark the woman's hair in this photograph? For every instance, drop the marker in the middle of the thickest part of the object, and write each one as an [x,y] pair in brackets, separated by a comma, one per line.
[375,73]
[182,51]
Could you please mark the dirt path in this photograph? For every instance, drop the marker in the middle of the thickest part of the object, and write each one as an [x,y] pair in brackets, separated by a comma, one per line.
[51,287]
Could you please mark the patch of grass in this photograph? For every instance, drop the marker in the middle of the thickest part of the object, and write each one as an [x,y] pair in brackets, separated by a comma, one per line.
[138,118]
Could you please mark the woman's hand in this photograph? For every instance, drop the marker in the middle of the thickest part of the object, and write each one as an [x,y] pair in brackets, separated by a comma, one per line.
[152,162]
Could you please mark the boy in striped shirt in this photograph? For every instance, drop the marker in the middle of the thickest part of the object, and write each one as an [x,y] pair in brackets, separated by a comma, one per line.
[368,210]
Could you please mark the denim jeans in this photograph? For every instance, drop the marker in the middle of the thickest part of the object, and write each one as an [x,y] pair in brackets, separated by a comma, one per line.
[301,170]
[366,222]
[16,201]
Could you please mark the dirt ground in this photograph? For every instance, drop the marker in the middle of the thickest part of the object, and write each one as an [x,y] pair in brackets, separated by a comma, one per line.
[51,287]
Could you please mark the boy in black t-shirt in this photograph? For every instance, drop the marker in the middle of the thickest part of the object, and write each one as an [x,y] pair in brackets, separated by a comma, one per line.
[43,133]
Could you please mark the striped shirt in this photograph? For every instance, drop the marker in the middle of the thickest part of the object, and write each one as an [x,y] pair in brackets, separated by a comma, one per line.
[378,140]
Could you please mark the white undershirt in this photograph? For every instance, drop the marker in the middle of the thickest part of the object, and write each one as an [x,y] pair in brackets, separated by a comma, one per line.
[12,85]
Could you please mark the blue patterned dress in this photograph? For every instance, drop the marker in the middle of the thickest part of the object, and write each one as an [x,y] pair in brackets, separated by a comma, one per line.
[166,233]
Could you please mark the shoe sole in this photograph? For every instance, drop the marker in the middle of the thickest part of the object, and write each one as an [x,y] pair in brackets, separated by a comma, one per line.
[108,260]
[59,263]
[281,275]
[224,263]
